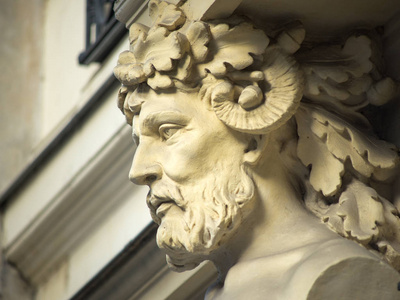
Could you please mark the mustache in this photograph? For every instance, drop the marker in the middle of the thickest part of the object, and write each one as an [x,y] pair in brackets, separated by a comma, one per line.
[164,192]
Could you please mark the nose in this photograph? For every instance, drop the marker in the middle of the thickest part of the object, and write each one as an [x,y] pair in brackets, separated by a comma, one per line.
[143,171]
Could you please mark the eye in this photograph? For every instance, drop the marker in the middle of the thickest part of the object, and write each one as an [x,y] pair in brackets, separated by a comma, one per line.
[168,130]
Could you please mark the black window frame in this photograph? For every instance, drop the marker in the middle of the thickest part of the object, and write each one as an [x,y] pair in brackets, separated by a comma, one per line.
[108,31]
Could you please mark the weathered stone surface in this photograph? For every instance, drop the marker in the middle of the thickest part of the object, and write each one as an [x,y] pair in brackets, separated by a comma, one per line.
[259,157]
[20,84]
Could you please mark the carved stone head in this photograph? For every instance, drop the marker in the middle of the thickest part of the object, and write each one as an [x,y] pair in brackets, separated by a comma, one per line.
[227,116]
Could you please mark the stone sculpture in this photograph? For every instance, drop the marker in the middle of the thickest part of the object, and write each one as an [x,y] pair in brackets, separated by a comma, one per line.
[259,158]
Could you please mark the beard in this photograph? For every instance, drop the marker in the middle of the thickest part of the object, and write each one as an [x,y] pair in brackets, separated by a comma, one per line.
[195,220]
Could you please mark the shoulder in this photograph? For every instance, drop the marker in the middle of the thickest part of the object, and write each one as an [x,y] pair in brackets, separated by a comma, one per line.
[342,269]
[357,278]
[330,270]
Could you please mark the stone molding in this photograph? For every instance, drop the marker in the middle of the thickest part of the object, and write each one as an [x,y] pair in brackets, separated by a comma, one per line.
[140,272]
[87,198]
[126,11]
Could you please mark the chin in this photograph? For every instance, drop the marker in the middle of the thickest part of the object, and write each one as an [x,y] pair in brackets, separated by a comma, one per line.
[187,246]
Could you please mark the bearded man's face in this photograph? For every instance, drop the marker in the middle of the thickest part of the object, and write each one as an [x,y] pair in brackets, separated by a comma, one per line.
[194,167]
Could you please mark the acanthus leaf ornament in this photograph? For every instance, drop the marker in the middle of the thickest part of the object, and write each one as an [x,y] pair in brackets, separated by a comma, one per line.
[247,40]
[338,142]
[345,77]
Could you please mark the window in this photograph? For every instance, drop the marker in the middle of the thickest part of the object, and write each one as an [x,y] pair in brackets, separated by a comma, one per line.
[103,31]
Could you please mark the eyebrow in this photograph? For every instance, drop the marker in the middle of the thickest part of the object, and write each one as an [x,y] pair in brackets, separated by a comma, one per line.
[154,120]
[157,118]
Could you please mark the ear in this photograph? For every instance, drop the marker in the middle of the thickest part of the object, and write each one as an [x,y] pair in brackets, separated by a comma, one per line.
[255,148]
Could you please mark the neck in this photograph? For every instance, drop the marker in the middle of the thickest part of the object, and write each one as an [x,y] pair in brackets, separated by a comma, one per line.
[278,223]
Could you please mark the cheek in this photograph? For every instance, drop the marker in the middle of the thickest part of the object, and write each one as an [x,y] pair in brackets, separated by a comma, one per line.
[186,161]
[199,155]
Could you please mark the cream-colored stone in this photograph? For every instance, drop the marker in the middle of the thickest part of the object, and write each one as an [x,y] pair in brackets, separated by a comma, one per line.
[259,158]
[109,238]
[64,32]
[21,59]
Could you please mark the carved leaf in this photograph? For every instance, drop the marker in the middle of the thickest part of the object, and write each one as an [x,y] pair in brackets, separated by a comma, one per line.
[322,134]
[129,74]
[326,170]
[361,214]
[339,73]
[183,68]
[159,81]
[366,153]
[123,93]
[171,17]
[126,57]
[245,39]
[160,49]
[135,31]
[166,15]
[382,91]
[359,211]
[198,36]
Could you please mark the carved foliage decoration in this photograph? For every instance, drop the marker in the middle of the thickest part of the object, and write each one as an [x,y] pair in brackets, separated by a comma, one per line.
[152,54]
[361,214]
[176,52]
[343,161]
[198,37]
[345,76]
[233,47]
[335,142]
[155,50]
[326,170]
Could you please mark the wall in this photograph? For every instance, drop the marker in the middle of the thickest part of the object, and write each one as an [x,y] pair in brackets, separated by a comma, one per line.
[64,79]
[21,80]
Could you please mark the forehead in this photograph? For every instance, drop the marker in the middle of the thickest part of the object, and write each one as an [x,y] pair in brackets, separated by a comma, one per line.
[167,104]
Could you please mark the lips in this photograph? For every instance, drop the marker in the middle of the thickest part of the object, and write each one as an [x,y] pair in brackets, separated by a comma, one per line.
[160,205]
[163,208]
